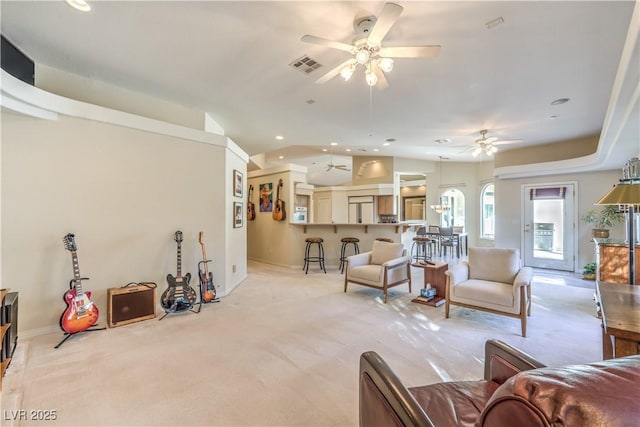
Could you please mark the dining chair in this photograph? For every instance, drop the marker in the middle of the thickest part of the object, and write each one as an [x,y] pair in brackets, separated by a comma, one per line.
[448,240]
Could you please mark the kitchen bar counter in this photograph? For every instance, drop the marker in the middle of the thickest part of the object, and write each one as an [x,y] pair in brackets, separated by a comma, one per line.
[399,226]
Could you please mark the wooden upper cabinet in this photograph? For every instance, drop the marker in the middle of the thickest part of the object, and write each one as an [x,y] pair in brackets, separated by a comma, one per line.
[385,205]
[613,263]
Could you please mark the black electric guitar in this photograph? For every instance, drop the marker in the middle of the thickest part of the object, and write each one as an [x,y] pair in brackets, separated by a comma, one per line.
[179,296]
[206,278]
[279,214]
[251,208]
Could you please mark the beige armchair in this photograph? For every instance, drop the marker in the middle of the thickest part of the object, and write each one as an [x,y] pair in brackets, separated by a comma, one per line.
[493,281]
[385,266]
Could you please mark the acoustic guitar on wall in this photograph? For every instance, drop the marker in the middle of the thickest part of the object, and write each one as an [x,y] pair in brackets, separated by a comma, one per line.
[251,208]
[81,313]
[279,214]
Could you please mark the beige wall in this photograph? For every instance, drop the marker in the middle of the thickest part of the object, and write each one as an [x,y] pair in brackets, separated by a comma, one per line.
[591,186]
[561,150]
[124,193]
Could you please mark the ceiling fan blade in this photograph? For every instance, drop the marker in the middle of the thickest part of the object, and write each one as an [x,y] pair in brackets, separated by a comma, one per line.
[335,71]
[328,43]
[506,141]
[387,18]
[490,139]
[410,51]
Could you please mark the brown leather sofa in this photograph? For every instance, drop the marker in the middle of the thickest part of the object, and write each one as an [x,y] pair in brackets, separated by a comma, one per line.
[517,391]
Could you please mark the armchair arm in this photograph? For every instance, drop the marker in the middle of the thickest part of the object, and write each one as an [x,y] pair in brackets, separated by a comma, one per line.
[363,258]
[458,273]
[397,262]
[523,278]
[384,400]
[501,361]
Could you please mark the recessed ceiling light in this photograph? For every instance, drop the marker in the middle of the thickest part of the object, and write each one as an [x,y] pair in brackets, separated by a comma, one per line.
[334,143]
[279,137]
[443,141]
[80,5]
[390,139]
[325,150]
[560,101]
[375,149]
[386,144]
[553,117]
[281,157]
[347,149]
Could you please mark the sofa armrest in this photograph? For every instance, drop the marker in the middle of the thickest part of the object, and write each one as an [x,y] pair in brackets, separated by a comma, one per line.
[523,278]
[384,400]
[501,361]
[363,258]
[458,273]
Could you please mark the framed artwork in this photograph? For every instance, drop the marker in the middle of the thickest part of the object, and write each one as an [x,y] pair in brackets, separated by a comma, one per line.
[266,197]
[238,214]
[237,183]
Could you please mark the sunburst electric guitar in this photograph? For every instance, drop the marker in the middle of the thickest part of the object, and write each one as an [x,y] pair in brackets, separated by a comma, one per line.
[179,296]
[81,313]
[206,278]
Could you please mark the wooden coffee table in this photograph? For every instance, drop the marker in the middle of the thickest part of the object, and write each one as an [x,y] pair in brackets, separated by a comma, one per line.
[434,275]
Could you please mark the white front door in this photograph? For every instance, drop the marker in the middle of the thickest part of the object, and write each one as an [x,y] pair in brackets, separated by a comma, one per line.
[549,226]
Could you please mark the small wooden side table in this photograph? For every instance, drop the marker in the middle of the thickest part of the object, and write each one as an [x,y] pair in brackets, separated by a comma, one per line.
[620,305]
[434,275]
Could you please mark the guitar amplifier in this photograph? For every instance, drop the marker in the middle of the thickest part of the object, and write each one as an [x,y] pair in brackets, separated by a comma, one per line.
[131,304]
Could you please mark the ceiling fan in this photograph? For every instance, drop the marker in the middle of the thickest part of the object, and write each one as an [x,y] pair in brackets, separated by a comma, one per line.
[331,165]
[488,144]
[367,49]
[338,167]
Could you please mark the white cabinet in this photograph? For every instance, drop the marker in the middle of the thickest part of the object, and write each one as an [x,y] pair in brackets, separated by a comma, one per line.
[361,210]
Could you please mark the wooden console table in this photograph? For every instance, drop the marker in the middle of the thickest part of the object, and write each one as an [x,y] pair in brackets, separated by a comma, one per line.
[620,306]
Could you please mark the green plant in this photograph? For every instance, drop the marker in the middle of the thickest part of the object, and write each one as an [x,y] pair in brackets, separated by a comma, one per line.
[589,268]
[605,218]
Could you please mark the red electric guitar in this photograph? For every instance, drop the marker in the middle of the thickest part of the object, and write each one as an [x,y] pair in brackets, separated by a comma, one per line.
[81,313]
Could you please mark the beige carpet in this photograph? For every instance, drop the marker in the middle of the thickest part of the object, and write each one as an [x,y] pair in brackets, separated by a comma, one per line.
[281,350]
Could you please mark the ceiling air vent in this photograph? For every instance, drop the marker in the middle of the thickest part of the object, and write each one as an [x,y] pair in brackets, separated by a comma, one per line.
[305,64]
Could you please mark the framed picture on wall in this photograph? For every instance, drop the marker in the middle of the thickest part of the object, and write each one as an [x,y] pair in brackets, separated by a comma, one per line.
[237,183]
[266,197]
[238,214]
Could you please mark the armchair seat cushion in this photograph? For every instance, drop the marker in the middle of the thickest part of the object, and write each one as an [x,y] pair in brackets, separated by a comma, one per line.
[370,273]
[491,294]
[454,403]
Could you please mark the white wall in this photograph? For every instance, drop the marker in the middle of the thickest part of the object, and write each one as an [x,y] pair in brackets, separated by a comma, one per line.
[124,193]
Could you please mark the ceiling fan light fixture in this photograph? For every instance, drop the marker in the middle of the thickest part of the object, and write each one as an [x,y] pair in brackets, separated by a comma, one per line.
[493,149]
[371,77]
[477,151]
[385,64]
[347,72]
[363,56]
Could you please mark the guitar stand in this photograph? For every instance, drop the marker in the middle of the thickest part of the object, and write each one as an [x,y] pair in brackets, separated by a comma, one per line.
[70,334]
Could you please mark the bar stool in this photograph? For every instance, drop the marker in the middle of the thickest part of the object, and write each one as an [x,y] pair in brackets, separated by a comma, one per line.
[345,242]
[384,239]
[421,244]
[319,258]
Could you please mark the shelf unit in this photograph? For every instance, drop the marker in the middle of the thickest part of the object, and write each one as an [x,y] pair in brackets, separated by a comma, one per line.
[4,327]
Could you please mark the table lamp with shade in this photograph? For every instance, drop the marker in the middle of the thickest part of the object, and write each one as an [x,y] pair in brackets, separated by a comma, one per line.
[627,194]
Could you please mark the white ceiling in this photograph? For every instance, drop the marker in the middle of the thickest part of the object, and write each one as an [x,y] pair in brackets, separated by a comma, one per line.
[231,59]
